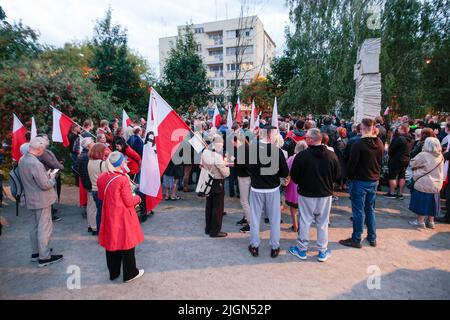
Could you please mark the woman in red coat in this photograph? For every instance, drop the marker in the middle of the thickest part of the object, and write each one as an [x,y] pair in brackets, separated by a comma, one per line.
[120,231]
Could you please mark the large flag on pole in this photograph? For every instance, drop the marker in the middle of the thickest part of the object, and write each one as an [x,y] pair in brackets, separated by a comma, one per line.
[18,138]
[257,122]
[33,128]
[275,114]
[126,121]
[217,118]
[61,127]
[230,117]
[165,131]
[238,111]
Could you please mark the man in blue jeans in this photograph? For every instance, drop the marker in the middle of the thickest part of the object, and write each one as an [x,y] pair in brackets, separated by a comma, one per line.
[364,169]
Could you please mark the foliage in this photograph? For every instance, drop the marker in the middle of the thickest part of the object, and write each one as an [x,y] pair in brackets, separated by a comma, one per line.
[262,91]
[184,80]
[317,68]
[117,70]
[16,40]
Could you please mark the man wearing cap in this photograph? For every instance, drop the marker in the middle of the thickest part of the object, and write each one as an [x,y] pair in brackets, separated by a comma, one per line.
[267,165]
[39,196]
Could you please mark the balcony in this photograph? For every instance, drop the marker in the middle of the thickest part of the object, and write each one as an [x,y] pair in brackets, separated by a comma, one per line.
[218,58]
[215,43]
[215,74]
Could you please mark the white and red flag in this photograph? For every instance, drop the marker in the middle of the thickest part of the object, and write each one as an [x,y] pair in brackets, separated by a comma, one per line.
[238,111]
[217,118]
[230,117]
[275,114]
[165,131]
[18,138]
[126,121]
[254,119]
[33,128]
[61,127]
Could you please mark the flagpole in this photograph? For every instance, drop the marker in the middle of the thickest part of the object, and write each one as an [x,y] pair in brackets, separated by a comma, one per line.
[93,136]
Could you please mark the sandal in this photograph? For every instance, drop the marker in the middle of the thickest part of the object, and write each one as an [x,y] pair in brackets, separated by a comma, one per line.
[176,198]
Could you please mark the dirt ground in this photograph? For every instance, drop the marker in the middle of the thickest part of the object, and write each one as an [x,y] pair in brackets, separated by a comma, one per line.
[182,263]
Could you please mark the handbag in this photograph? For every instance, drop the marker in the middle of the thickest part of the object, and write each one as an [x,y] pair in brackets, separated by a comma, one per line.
[205,182]
[411,182]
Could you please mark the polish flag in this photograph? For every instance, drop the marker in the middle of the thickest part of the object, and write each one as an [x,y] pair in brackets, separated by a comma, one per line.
[33,128]
[217,119]
[165,131]
[18,138]
[257,122]
[229,117]
[126,121]
[238,111]
[253,117]
[275,114]
[61,127]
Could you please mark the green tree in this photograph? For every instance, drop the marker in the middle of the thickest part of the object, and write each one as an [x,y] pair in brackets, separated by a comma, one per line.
[115,67]
[184,82]
[16,40]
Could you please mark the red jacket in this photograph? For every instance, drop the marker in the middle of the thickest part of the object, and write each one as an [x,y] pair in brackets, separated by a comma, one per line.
[120,228]
[134,161]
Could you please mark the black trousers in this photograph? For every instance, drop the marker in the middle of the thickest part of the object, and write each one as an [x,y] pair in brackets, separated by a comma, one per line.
[447,201]
[214,208]
[114,259]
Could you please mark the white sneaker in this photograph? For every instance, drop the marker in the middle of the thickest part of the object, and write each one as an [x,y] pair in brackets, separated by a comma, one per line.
[416,223]
[140,274]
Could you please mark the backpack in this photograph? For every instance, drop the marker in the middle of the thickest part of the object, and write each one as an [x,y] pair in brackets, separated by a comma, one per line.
[16,187]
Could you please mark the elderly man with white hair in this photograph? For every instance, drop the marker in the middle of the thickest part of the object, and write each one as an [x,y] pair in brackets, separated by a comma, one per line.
[39,197]
[213,161]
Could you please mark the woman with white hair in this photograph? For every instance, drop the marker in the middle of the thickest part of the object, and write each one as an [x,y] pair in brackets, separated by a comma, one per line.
[120,231]
[428,175]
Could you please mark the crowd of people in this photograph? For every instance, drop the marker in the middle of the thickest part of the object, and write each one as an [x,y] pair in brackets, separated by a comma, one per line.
[302,162]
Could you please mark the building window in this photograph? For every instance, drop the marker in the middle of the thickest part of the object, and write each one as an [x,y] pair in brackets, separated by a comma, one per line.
[215,52]
[199,30]
[247,33]
[199,48]
[247,66]
[217,83]
[232,67]
[231,51]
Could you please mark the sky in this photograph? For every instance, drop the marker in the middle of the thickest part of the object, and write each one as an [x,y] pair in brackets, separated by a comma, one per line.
[61,21]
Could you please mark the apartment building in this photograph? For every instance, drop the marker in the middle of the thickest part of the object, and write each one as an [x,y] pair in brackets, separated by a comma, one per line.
[231,49]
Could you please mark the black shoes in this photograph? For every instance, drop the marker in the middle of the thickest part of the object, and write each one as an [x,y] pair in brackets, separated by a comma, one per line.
[400,197]
[219,235]
[241,222]
[35,256]
[245,229]
[274,253]
[56,218]
[52,260]
[253,251]
[95,233]
[90,229]
[373,243]
[390,195]
[350,243]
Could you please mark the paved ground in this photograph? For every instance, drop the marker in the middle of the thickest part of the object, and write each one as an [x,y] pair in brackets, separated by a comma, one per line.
[182,263]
